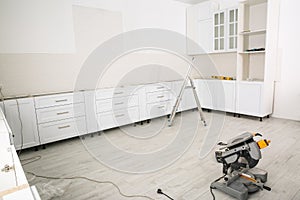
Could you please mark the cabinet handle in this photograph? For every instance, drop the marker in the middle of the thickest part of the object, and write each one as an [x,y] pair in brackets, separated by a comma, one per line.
[118,92]
[61,100]
[62,127]
[119,103]
[119,115]
[62,113]
[161,87]
[160,106]
[162,96]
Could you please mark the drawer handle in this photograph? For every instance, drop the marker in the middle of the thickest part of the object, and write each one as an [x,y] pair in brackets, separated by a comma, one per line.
[63,113]
[162,96]
[118,92]
[61,100]
[62,127]
[161,87]
[120,115]
[119,103]
[161,107]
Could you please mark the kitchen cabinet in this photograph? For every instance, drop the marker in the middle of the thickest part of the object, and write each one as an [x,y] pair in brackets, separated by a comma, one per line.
[21,117]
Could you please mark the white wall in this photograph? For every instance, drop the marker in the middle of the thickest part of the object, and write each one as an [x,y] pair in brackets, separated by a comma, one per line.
[33,73]
[36,26]
[164,14]
[287,87]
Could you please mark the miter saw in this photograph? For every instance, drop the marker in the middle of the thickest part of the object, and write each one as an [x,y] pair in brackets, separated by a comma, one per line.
[239,156]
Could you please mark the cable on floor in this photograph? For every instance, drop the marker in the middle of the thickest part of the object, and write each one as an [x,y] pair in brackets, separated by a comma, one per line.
[32,159]
[92,180]
[211,188]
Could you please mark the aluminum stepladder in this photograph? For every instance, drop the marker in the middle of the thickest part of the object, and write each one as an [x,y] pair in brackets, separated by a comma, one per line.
[179,98]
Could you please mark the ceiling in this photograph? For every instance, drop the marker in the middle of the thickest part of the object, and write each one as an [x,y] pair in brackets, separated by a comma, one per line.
[191,1]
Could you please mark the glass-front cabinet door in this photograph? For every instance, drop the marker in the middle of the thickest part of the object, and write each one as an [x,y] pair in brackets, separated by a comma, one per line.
[219,31]
[232,28]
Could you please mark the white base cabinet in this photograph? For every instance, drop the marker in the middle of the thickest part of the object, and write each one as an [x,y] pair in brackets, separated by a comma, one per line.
[249,99]
[90,111]
[21,117]
[60,116]
[217,95]
[50,118]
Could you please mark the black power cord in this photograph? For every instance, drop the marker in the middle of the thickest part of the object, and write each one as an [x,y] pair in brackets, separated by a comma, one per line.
[211,187]
[92,180]
[30,160]
[159,191]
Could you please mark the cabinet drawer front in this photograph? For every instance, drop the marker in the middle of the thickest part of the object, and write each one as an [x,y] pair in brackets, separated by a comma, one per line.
[118,118]
[115,92]
[158,96]
[158,87]
[159,109]
[58,100]
[45,115]
[117,103]
[54,131]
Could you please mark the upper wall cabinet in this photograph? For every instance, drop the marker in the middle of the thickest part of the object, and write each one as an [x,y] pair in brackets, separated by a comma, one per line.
[210,29]
[199,27]
[225,30]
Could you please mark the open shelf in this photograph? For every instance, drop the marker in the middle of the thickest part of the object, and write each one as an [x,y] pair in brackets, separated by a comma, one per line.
[252,52]
[255,32]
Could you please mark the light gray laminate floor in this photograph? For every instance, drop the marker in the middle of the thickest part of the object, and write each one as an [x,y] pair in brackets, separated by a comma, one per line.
[173,164]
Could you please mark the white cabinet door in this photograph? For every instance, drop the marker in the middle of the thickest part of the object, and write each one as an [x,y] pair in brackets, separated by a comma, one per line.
[229,96]
[200,28]
[205,35]
[224,94]
[175,90]
[219,32]
[204,94]
[249,96]
[21,117]
[90,111]
[217,95]
[1,105]
[188,100]
[232,28]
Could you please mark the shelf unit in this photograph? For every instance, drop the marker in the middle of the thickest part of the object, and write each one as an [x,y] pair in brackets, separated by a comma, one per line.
[252,35]
[240,28]
[254,97]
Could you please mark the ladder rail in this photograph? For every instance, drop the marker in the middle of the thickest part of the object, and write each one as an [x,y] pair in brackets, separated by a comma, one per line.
[199,107]
[179,98]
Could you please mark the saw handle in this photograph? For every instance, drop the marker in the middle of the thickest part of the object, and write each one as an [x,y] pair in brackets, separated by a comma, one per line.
[267,188]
